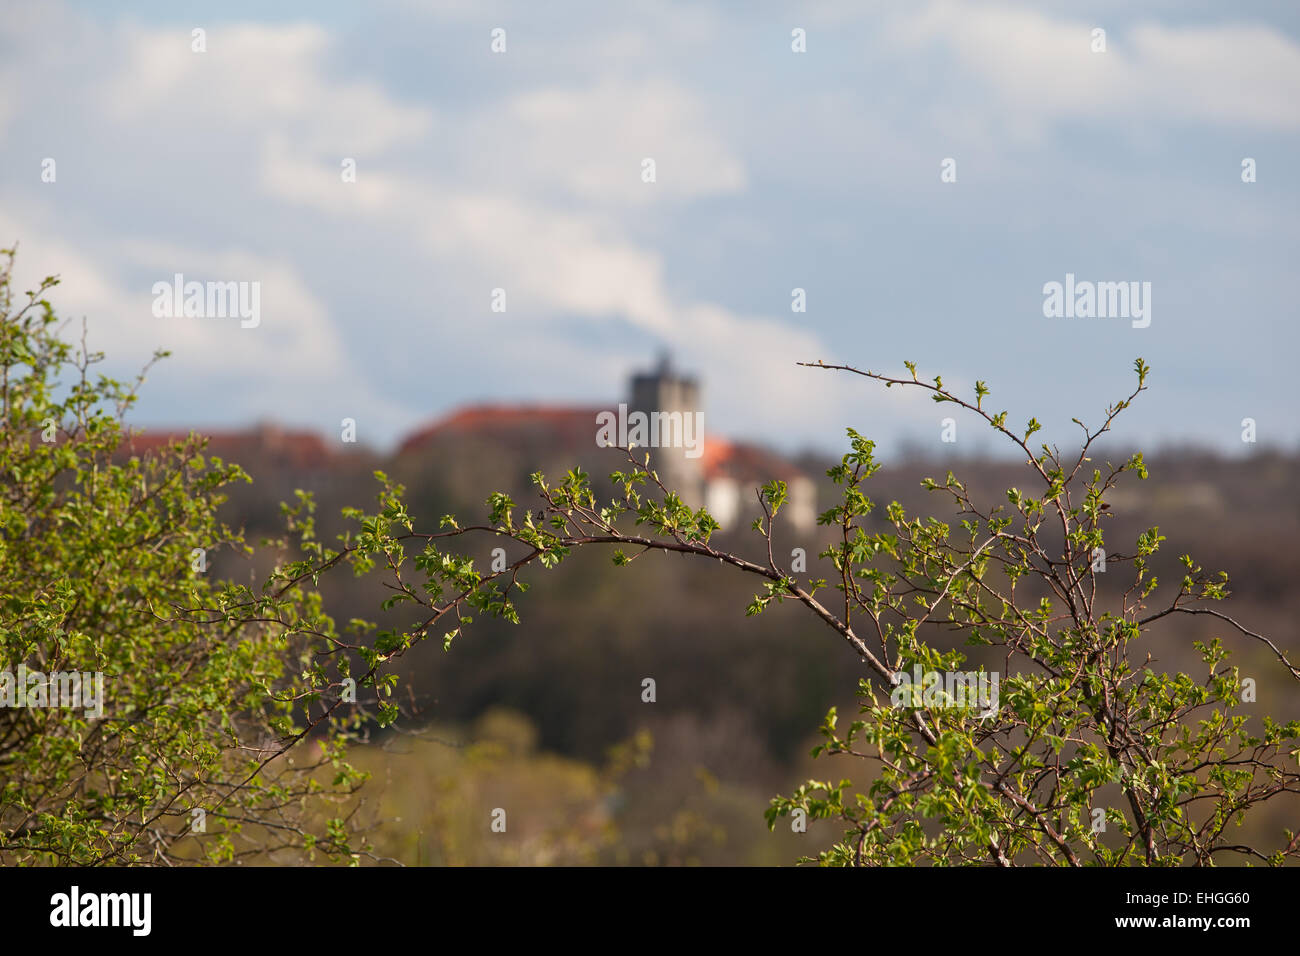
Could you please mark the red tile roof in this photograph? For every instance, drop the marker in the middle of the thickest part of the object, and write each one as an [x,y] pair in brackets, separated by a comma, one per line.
[745,462]
[567,425]
[300,449]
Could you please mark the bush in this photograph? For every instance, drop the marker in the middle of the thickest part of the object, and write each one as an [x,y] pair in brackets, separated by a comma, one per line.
[102,560]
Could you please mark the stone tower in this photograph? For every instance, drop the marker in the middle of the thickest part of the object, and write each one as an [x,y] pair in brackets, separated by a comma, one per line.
[665,390]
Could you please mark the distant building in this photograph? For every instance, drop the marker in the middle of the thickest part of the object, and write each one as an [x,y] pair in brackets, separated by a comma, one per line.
[734,472]
[723,477]
[663,390]
[720,475]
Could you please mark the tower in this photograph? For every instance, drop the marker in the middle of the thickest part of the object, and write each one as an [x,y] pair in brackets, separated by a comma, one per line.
[667,392]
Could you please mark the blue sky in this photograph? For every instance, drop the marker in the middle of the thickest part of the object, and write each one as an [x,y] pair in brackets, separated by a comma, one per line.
[775,170]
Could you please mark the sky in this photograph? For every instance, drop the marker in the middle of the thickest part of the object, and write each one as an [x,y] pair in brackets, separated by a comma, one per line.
[774,170]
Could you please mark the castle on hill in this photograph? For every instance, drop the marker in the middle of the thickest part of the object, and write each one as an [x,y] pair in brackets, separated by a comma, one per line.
[517,439]
[718,474]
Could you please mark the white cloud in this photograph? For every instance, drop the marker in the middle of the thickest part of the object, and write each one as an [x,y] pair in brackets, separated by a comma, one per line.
[1042,68]
[558,264]
[294,350]
[591,141]
[1234,75]
[289,175]
[254,79]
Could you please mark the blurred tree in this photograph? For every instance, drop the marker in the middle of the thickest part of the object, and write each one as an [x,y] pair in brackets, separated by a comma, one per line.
[180,755]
